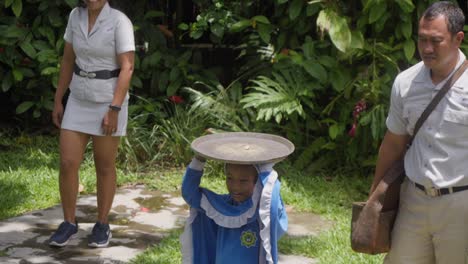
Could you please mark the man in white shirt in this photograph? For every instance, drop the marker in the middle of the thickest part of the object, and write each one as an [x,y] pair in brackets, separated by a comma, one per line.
[431,226]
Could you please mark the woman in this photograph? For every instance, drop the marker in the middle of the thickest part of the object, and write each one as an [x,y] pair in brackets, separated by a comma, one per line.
[97,65]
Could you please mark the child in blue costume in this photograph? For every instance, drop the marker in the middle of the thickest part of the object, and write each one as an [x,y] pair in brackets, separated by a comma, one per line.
[240,227]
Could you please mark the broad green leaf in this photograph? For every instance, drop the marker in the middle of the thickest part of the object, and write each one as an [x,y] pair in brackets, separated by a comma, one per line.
[48,33]
[196,34]
[153,13]
[315,70]
[295,8]
[377,11]
[308,49]
[17,7]
[41,45]
[71,3]
[28,49]
[334,131]
[28,73]
[312,9]
[406,29]
[337,28]
[136,82]
[49,71]
[406,5]
[264,32]
[175,74]
[241,25]
[36,113]
[7,82]
[261,19]
[155,58]
[24,106]
[8,3]
[339,78]
[15,32]
[163,81]
[409,48]
[183,26]
[17,75]
[217,29]
[281,1]
[173,87]
[49,105]
[357,40]
[55,17]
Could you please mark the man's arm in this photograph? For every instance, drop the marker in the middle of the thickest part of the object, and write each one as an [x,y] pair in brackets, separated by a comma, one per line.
[393,147]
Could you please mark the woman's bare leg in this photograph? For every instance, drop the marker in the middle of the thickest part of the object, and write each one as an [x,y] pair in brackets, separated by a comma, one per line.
[105,152]
[72,147]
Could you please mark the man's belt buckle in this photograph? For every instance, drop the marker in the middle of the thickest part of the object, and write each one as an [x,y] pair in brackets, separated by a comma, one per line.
[90,75]
[433,192]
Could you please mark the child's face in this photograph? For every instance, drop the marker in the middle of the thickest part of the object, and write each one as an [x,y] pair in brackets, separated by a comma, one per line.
[240,181]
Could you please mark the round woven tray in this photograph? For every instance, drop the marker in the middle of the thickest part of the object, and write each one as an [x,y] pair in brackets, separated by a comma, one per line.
[243,147]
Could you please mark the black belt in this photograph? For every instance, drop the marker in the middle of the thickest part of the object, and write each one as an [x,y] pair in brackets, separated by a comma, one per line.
[442,191]
[103,74]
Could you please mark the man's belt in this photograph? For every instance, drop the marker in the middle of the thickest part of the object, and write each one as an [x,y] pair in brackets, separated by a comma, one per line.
[103,74]
[433,192]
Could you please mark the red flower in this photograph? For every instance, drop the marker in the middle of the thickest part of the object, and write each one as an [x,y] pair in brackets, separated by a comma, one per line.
[352,131]
[176,99]
[285,51]
[360,107]
[2,49]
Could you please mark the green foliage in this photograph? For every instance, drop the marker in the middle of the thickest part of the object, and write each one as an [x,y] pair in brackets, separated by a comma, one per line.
[281,96]
[222,106]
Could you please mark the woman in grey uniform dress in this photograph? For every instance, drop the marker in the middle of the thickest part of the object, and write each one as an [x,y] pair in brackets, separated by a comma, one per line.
[97,66]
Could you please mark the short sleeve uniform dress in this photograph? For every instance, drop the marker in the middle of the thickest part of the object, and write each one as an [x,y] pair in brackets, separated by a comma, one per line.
[89,99]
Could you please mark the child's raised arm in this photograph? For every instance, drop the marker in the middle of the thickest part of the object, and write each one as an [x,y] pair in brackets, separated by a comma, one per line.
[191,183]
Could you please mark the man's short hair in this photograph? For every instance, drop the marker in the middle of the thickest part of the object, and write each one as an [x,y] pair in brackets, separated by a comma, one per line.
[453,15]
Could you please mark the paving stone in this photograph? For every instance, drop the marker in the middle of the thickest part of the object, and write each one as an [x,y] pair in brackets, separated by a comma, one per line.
[139,218]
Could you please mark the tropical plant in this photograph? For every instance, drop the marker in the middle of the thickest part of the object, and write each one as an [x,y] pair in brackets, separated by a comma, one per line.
[222,105]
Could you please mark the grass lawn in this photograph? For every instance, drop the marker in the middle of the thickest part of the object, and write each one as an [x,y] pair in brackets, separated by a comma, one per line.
[29,181]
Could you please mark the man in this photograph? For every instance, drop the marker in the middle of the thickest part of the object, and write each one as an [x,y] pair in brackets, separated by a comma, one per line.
[432,224]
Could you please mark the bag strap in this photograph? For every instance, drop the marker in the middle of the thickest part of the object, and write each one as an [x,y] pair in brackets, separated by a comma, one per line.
[389,176]
[435,101]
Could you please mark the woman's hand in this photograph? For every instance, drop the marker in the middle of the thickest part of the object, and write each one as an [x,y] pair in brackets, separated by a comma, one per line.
[109,123]
[57,114]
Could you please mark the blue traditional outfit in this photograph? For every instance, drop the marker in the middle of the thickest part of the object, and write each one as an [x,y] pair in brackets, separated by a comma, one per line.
[220,230]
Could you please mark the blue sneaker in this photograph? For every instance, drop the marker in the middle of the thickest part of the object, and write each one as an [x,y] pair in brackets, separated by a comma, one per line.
[65,231]
[100,236]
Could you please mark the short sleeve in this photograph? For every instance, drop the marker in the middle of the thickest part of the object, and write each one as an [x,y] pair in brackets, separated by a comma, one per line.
[68,36]
[124,38]
[395,121]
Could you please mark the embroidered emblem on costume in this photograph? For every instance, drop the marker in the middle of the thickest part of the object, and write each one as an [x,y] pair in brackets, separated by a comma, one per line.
[248,238]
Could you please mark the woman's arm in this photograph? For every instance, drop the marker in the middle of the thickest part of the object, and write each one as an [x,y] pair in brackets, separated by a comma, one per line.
[126,61]
[65,76]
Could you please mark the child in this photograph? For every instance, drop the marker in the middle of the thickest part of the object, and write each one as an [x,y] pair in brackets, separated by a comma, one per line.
[240,227]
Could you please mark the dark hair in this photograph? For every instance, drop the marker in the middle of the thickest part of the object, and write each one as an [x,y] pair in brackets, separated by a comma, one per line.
[453,14]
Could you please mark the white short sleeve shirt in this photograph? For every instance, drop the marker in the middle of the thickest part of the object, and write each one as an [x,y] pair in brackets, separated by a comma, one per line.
[440,149]
[112,34]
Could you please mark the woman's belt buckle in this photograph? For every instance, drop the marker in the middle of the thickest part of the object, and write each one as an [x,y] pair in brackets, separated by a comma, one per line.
[433,192]
[90,75]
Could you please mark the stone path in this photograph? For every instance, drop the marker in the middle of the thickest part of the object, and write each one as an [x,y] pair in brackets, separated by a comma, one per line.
[139,218]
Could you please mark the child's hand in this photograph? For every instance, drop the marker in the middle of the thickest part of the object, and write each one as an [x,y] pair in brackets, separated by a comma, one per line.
[264,167]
